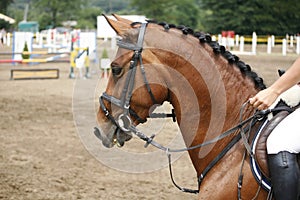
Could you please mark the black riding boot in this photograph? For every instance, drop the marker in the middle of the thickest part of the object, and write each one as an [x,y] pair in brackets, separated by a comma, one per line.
[285,175]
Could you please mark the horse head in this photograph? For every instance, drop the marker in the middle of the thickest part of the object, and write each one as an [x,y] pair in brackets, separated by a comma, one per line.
[130,96]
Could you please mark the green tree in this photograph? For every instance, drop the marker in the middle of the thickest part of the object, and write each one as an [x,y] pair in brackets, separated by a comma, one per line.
[176,11]
[4,5]
[50,13]
[4,24]
[245,16]
[3,9]
[57,10]
[88,17]
[110,6]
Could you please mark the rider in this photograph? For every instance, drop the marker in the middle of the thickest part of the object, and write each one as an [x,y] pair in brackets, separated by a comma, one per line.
[283,144]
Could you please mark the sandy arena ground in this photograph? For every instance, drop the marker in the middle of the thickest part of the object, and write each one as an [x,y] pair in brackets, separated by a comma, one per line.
[43,154]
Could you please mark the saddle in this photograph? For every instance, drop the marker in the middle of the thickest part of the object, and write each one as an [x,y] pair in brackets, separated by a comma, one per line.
[260,152]
[259,164]
[260,148]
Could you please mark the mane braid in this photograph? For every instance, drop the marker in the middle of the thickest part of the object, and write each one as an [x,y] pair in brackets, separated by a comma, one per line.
[217,49]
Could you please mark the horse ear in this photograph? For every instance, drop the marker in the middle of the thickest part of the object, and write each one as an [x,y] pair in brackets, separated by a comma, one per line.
[119,18]
[120,27]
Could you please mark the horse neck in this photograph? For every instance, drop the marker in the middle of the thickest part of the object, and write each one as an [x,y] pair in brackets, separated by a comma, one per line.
[207,93]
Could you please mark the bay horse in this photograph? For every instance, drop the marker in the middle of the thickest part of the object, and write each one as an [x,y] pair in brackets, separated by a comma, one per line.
[205,84]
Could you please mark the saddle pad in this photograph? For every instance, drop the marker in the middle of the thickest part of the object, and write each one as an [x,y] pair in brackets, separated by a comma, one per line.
[259,161]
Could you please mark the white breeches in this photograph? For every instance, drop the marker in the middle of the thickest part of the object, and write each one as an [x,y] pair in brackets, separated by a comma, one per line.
[286,135]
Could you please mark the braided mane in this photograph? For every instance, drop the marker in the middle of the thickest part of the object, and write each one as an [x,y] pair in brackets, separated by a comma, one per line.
[217,49]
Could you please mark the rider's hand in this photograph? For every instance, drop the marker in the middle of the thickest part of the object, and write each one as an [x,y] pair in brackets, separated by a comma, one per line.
[264,99]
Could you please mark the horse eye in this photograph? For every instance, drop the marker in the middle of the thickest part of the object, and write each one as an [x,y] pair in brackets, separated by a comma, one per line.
[116,70]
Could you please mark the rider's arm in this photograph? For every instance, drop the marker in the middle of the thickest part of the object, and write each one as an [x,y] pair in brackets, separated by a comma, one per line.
[290,78]
[265,98]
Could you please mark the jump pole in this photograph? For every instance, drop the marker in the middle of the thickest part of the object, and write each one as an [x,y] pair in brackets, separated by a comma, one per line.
[10,61]
[284,47]
[269,46]
[87,44]
[32,53]
[254,42]
[291,41]
[28,74]
[242,42]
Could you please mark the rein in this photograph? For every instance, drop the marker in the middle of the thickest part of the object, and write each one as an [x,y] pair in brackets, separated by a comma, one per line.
[249,122]
[124,123]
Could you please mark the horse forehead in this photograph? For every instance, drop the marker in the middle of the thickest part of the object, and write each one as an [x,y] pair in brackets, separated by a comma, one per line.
[123,56]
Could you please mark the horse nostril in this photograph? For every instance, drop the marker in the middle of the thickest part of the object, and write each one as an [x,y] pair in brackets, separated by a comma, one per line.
[97,133]
[105,139]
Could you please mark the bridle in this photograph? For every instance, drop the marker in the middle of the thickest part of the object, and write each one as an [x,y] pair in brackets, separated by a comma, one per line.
[123,121]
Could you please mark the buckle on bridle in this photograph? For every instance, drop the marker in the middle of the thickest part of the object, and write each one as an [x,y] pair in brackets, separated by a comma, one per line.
[124,122]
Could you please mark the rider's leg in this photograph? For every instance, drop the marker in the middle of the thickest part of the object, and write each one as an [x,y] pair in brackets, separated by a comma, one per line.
[285,175]
[283,146]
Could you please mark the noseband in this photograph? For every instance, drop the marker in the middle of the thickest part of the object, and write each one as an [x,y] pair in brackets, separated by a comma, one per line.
[123,121]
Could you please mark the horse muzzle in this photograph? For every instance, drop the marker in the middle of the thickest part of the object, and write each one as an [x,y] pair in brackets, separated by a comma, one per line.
[114,136]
